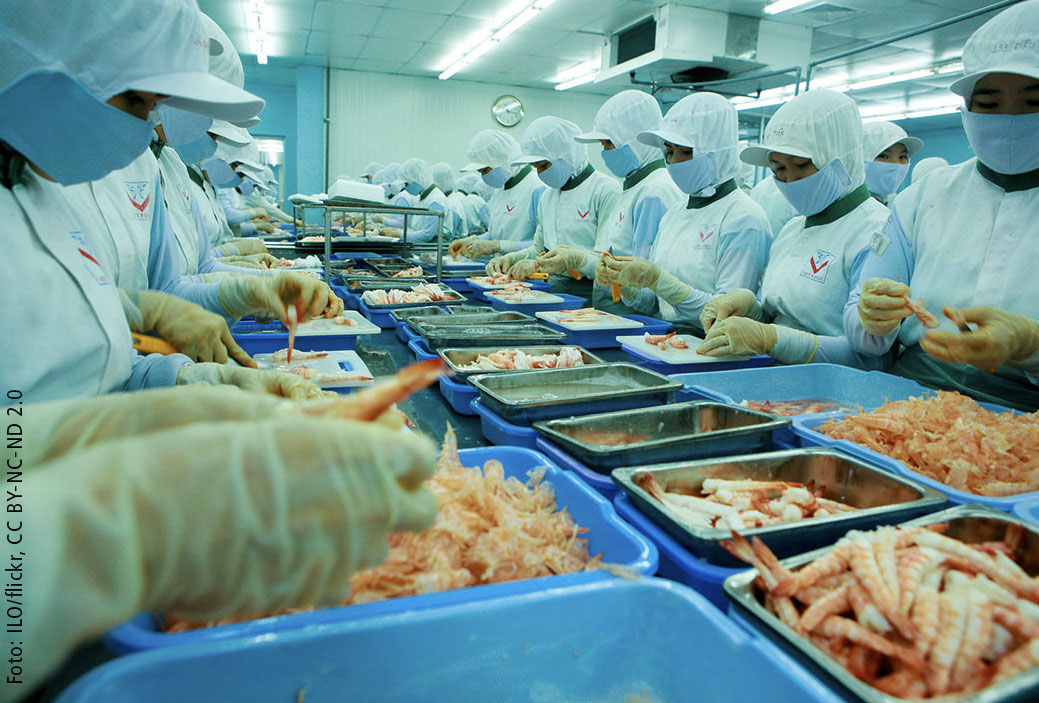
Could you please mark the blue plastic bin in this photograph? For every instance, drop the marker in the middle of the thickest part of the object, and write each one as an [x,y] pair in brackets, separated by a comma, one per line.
[607,338]
[602,483]
[458,394]
[569,302]
[459,285]
[605,639]
[1028,509]
[615,539]
[380,317]
[256,338]
[344,255]
[420,349]
[502,433]
[676,562]
[404,333]
[648,362]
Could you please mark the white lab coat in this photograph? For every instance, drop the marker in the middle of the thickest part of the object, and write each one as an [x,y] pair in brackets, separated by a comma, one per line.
[477,215]
[212,213]
[514,211]
[777,208]
[641,207]
[185,217]
[573,217]
[458,218]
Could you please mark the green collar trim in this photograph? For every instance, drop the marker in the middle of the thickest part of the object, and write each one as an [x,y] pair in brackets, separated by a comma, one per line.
[157,146]
[448,194]
[636,176]
[196,177]
[427,191]
[514,181]
[1010,182]
[579,178]
[698,202]
[839,208]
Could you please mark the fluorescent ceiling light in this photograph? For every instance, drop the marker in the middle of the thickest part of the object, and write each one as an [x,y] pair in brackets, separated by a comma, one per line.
[255,13]
[517,15]
[581,69]
[574,82]
[912,114]
[783,6]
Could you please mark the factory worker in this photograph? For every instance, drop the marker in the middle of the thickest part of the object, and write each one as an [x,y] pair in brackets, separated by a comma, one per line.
[389,178]
[423,192]
[964,237]
[813,145]
[925,166]
[777,208]
[715,240]
[572,210]
[647,192]
[50,233]
[444,178]
[477,213]
[888,151]
[512,208]
[261,197]
[370,170]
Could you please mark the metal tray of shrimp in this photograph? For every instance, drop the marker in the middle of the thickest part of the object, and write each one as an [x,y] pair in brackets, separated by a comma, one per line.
[433,311]
[453,298]
[458,359]
[480,335]
[363,284]
[971,523]
[524,398]
[880,498]
[692,430]
[483,316]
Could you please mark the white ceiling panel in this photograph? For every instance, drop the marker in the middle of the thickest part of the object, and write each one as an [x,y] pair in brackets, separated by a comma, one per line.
[413,26]
[346,45]
[440,7]
[351,18]
[392,50]
[485,10]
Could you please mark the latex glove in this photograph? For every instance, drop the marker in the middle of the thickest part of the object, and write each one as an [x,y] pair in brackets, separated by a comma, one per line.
[522,269]
[480,248]
[391,232]
[1001,337]
[736,303]
[334,305]
[205,521]
[562,259]
[246,295]
[882,306]
[279,383]
[739,336]
[249,245]
[257,212]
[197,333]
[456,247]
[500,265]
[253,261]
[238,262]
[265,227]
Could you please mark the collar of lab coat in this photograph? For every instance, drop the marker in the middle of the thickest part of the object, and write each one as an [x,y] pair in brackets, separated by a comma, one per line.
[579,178]
[839,208]
[698,202]
[1010,183]
[636,176]
[427,191]
[515,180]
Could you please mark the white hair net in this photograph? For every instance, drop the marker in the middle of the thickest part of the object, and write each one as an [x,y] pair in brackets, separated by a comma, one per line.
[878,136]
[622,118]
[468,182]
[443,176]
[925,166]
[372,168]
[491,149]
[387,174]
[416,171]
[706,123]
[821,125]
[552,138]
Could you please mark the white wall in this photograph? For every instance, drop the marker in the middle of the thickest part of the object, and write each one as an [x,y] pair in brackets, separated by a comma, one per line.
[384,118]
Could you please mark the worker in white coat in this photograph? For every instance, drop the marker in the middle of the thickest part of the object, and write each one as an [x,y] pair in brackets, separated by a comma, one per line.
[444,178]
[716,239]
[630,230]
[925,166]
[777,208]
[368,175]
[477,213]
[888,151]
[572,211]
[813,145]
[963,238]
[512,209]
[419,192]
[389,178]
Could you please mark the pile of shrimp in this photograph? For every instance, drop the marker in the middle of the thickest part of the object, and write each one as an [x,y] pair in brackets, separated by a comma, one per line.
[322,377]
[952,439]
[736,504]
[910,611]
[490,529]
[413,272]
[519,293]
[519,359]
[788,408]
[584,315]
[421,293]
[499,279]
[663,341]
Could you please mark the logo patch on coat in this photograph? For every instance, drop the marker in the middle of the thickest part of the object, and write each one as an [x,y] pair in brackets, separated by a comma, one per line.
[140,199]
[818,266]
[705,238]
[87,258]
[583,214]
[509,207]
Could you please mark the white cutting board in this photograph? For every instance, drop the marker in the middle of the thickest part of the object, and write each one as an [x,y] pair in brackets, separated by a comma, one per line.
[482,284]
[672,355]
[609,321]
[338,361]
[530,296]
[325,326]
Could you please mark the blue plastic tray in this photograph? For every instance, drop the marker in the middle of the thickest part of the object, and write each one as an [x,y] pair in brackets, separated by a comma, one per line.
[570,302]
[1028,509]
[676,562]
[653,364]
[600,640]
[459,285]
[256,338]
[458,394]
[804,427]
[600,482]
[502,433]
[607,338]
[404,333]
[380,317]
[607,534]
[343,255]
[420,349]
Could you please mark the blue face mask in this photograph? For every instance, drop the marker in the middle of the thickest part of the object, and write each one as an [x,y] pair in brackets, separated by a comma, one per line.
[220,173]
[181,126]
[811,195]
[107,139]
[414,188]
[496,177]
[621,161]
[1007,144]
[883,178]
[247,186]
[197,151]
[695,175]
[558,174]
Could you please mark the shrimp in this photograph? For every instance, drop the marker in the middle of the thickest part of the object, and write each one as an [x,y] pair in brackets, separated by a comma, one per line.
[922,314]
[843,628]
[369,403]
[981,562]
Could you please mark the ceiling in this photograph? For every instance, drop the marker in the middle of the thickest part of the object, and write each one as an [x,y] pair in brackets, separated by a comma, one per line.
[419,37]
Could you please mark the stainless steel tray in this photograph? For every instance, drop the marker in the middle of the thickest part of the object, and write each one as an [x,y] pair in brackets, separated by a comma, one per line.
[432,310]
[523,398]
[692,430]
[457,358]
[484,316]
[883,498]
[453,299]
[969,523]
[362,284]
[477,335]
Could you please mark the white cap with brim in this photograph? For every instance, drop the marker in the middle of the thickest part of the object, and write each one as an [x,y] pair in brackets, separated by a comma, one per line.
[251,169]
[474,167]
[524,159]
[203,93]
[913,145]
[657,137]
[757,155]
[1007,43]
[227,132]
[593,137]
[246,124]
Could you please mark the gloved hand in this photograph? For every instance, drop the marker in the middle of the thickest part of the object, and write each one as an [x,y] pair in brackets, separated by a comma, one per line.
[249,245]
[1001,337]
[253,261]
[279,383]
[246,295]
[630,272]
[334,305]
[456,247]
[390,232]
[522,269]
[500,265]
[736,303]
[291,508]
[739,336]
[195,332]
[480,248]
[257,213]
[562,259]
[882,306]
[265,227]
